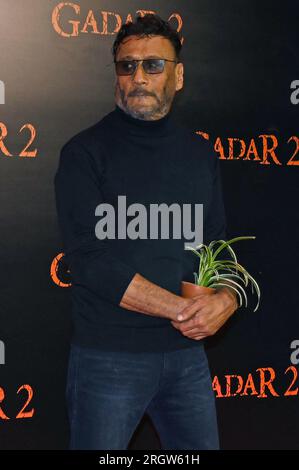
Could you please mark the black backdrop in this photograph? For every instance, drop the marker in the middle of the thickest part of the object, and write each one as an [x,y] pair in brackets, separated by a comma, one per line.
[240,60]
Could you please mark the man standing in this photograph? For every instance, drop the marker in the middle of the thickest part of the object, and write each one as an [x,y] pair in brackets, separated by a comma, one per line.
[137,344]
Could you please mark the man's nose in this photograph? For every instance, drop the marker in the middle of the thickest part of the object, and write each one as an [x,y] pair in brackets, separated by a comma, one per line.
[139,76]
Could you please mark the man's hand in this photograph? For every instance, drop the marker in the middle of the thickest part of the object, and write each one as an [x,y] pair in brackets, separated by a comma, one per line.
[206,314]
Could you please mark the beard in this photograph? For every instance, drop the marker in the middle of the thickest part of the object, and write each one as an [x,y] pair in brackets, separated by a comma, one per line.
[154,109]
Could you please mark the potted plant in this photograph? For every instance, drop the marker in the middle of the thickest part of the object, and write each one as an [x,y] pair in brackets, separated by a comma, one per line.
[214,272]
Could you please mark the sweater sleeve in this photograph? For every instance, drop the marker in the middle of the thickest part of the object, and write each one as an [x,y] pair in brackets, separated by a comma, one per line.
[214,223]
[214,227]
[91,260]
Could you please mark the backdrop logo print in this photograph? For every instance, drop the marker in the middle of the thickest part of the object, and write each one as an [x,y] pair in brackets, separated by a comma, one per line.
[2,353]
[138,227]
[264,382]
[56,266]
[2,92]
[100,23]
[25,151]
[260,149]
[294,358]
[295,94]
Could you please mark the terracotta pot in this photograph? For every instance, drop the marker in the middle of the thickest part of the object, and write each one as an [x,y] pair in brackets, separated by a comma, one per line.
[188,289]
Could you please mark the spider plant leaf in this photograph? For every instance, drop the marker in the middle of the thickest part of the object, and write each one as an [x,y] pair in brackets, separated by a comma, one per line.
[194,251]
[228,247]
[214,242]
[238,286]
[229,242]
[238,267]
[214,272]
[198,247]
[228,276]
[223,267]
[234,288]
[255,286]
[207,276]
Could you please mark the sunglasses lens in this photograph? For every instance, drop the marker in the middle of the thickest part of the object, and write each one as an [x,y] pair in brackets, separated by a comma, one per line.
[153,65]
[128,67]
[125,67]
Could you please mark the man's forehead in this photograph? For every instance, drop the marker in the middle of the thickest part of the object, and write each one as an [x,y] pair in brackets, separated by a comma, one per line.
[151,45]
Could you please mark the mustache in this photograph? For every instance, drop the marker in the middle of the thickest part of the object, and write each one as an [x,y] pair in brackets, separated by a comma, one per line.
[140,93]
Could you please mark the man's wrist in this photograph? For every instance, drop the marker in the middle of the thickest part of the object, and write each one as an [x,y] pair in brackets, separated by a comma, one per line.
[231,293]
[182,303]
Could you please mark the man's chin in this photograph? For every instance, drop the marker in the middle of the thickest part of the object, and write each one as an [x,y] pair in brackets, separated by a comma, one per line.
[141,100]
[140,105]
[141,96]
[142,112]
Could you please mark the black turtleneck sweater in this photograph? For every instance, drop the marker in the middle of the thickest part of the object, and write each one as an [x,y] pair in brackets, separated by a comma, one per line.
[149,162]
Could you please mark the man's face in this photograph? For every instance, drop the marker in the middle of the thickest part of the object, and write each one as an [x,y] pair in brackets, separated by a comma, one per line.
[148,96]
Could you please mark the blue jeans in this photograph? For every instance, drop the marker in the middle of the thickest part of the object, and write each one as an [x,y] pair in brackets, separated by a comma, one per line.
[108,393]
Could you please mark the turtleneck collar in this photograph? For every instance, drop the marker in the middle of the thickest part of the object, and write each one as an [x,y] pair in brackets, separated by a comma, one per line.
[134,126]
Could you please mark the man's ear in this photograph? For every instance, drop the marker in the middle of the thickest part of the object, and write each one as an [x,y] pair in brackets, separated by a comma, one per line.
[179,76]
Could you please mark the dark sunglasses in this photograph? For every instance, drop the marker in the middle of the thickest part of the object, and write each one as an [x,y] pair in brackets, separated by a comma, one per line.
[128,67]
